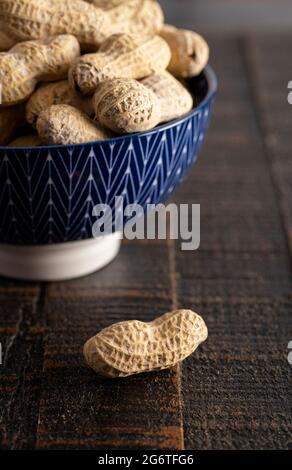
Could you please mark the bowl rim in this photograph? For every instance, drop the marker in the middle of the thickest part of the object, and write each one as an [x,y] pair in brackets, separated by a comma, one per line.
[212,88]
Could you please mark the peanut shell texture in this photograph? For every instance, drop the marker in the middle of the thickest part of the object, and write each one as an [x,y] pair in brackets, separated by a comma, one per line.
[39,19]
[64,125]
[175,100]
[189,51]
[120,56]
[126,106]
[29,62]
[49,94]
[132,347]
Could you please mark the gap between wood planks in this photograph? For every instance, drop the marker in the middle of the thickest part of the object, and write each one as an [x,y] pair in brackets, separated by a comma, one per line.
[172,277]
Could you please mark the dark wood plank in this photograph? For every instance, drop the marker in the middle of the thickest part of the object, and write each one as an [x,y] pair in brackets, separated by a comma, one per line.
[78,409]
[21,332]
[236,387]
[270,93]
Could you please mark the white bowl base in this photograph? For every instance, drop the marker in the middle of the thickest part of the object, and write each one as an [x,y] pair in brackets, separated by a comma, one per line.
[58,262]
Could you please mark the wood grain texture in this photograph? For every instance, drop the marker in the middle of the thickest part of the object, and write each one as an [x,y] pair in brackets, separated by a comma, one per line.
[21,333]
[236,388]
[270,94]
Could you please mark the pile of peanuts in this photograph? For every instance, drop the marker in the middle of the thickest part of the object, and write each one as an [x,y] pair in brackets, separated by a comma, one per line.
[80,71]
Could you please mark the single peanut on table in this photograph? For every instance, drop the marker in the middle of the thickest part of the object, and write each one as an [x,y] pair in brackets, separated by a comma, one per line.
[10,119]
[32,140]
[120,56]
[39,19]
[64,125]
[125,106]
[189,51]
[132,347]
[175,100]
[30,62]
[54,93]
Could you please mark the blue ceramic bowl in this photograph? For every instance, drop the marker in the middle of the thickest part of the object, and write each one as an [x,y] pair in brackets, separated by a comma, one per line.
[48,193]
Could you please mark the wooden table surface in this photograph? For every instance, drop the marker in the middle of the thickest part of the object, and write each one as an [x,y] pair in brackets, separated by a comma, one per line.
[235,391]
